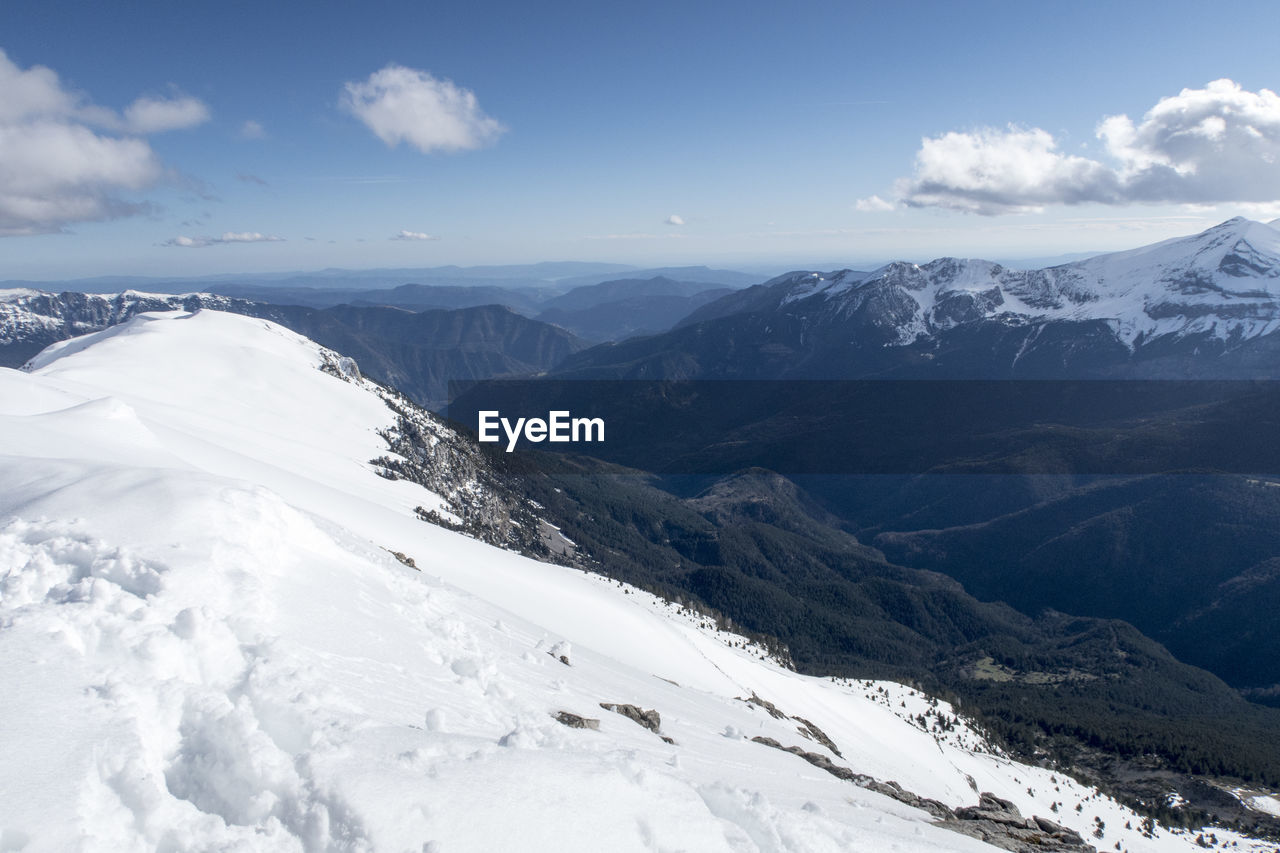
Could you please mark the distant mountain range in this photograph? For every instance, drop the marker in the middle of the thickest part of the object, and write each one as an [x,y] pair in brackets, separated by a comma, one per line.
[591,300]
[557,277]
[513,275]
[624,308]
[1206,305]
[596,306]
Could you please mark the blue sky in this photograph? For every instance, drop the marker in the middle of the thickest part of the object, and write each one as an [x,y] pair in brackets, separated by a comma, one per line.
[192,138]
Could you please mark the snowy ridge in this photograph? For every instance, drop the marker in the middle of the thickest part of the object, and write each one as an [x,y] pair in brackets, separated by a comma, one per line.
[206,643]
[1223,282]
[25,313]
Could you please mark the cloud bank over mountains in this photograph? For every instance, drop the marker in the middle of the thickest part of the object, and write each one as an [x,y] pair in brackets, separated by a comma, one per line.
[1202,146]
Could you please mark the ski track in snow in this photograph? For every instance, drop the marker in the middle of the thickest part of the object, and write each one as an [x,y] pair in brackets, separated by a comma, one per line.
[204,645]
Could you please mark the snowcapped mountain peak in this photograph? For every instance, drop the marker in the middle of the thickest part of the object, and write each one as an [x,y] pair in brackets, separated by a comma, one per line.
[804,285]
[1210,250]
[1222,283]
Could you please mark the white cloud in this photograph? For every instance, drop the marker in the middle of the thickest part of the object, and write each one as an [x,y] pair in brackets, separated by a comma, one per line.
[156,115]
[995,171]
[413,235]
[31,94]
[406,105]
[1202,146]
[673,219]
[247,237]
[55,173]
[183,242]
[188,242]
[253,130]
[1263,210]
[873,204]
[56,169]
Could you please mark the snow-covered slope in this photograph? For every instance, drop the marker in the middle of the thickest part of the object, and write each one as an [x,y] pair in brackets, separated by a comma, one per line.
[1223,282]
[23,309]
[32,319]
[418,353]
[206,643]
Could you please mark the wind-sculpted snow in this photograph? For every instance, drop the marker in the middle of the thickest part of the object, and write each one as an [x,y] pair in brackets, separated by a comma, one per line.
[206,643]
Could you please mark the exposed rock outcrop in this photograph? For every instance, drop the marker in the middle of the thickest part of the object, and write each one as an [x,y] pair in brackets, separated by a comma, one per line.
[575,721]
[999,823]
[993,820]
[650,719]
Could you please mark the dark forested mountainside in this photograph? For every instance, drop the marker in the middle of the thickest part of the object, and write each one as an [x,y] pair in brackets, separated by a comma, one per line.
[766,558]
[1191,560]
[420,353]
[629,317]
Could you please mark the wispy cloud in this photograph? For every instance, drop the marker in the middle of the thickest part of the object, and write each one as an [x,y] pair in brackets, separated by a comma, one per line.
[1203,146]
[1259,210]
[674,219]
[413,236]
[183,242]
[247,178]
[157,115]
[873,204]
[248,237]
[402,104]
[252,130]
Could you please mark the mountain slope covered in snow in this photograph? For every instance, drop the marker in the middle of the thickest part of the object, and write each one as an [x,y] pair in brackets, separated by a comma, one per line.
[417,352]
[211,639]
[1223,282]
[1203,305]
